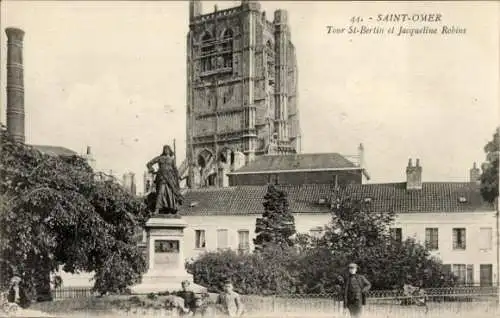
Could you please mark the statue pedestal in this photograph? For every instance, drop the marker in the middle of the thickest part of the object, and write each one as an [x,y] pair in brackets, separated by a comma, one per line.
[165,257]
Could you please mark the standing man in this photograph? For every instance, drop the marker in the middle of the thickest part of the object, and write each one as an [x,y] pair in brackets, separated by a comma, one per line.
[355,289]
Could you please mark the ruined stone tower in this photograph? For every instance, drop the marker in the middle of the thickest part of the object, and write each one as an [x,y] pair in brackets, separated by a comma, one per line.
[241,90]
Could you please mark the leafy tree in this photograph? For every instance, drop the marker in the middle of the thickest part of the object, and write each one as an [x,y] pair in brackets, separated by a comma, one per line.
[56,212]
[359,234]
[355,226]
[277,225]
[489,177]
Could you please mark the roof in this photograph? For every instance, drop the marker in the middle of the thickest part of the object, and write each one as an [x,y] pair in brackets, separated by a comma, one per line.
[296,162]
[314,198]
[433,197]
[54,150]
[244,200]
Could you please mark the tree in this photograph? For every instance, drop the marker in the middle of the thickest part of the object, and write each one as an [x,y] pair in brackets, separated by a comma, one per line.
[489,183]
[489,176]
[359,234]
[55,212]
[355,227]
[277,225]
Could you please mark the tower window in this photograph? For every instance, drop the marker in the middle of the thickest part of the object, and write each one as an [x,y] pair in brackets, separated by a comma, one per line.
[217,57]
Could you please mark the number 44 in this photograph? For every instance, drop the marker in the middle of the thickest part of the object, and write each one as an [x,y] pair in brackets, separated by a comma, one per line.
[356,19]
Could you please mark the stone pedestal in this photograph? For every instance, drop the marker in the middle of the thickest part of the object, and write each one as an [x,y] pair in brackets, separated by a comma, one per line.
[165,257]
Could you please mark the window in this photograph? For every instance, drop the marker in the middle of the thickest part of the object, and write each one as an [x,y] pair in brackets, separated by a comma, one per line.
[243,241]
[222,239]
[447,268]
[464,273]
[396,234]
[485,238]
[200,241]
[432,238]
[217,53]
[486,275]
[459,270]
[270,62]
[459,239]
[470,274]
[316,231]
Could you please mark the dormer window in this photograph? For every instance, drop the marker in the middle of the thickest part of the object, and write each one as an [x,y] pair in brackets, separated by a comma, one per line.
[462,199]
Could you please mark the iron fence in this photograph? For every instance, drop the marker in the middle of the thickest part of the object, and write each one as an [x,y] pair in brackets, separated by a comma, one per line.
[431,294]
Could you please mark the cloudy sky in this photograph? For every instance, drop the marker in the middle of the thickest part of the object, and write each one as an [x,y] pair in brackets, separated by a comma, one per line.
[112,75]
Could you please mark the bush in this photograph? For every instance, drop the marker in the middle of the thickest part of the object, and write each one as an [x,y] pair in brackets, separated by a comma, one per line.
[264,273]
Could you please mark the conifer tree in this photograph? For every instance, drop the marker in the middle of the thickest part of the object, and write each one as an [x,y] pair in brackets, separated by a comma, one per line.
[277,224]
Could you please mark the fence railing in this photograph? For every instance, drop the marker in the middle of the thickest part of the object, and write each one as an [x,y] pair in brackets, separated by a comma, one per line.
[458,302]
[68,293]
[431,294]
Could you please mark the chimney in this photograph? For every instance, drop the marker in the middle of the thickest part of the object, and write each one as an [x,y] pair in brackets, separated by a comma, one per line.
[414,176]
[90,158]
[361,156]
[133,188]
[475,174]
[194,9]
[15,84]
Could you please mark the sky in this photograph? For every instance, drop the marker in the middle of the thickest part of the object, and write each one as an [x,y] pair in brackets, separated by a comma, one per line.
[112,75]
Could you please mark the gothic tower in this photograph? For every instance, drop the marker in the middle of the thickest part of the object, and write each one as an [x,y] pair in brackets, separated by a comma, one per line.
[241,90]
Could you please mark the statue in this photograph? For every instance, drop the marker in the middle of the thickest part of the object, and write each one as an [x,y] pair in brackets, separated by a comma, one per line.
[167,197]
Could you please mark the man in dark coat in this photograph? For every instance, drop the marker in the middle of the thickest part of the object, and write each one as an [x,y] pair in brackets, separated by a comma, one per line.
[355,288]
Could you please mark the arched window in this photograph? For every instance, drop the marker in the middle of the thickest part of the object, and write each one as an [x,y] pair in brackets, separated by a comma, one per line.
[206,50]
[206,37]
[270,62]
[226,156]
[227,48]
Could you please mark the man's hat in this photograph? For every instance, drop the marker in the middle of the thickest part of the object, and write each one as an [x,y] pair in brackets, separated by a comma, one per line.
[353,265]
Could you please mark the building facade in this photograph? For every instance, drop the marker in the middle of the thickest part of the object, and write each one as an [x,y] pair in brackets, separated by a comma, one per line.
[450,218]
[241,90]
[296,169]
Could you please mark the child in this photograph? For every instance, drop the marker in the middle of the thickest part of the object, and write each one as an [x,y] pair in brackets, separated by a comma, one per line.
[229,302]
[188,296]
[202,306]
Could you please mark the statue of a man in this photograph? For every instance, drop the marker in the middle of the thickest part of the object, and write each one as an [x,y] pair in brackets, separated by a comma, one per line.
[168,196]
